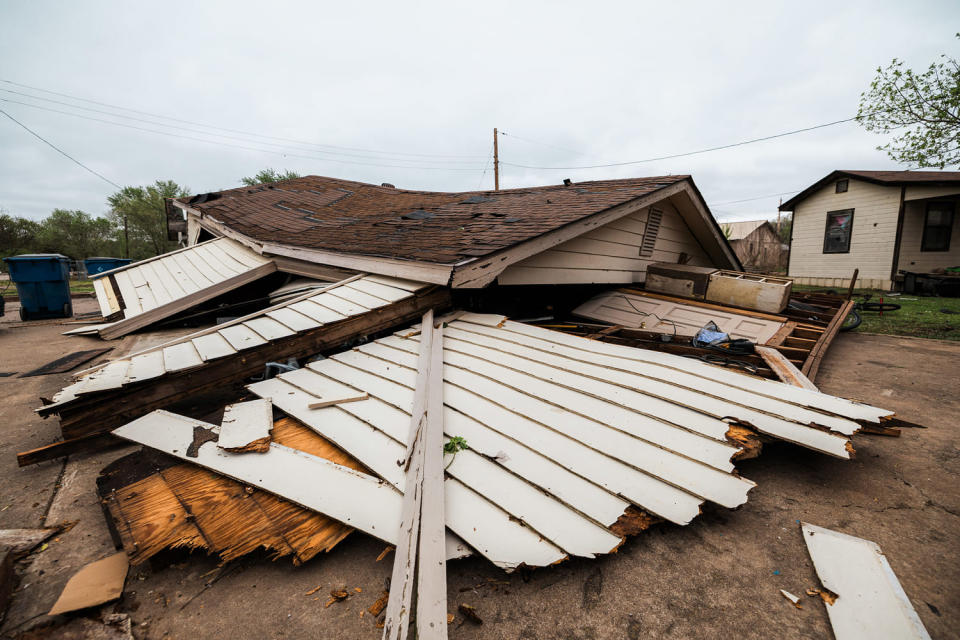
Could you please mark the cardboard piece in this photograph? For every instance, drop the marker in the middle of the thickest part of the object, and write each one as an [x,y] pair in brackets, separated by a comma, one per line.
[98,582]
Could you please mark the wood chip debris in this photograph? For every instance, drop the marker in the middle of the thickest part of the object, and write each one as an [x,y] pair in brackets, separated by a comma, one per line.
[469,613]
[336,595]
[381,603]
[792,598]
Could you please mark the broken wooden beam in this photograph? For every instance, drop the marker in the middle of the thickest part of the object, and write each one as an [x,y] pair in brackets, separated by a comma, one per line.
[784,369]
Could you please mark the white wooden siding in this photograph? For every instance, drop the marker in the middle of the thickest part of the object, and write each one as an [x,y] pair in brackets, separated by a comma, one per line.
[911,257]
[872,240]
[610,253]
[564,432]
[277,322]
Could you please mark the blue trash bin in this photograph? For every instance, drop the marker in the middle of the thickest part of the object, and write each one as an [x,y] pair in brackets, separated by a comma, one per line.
[43,284]
[96,266]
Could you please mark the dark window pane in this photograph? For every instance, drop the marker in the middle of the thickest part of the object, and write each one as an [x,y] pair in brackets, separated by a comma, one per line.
[836,238]
[842,185]
[937,227]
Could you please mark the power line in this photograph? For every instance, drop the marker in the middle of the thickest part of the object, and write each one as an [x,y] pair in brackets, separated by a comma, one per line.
[235,146]
[59,150]
[217,135]
[770,195]
[485,167]
[689,153]
[246,133]
[543,144]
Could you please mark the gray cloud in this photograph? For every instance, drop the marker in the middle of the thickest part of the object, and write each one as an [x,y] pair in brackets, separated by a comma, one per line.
[597,82]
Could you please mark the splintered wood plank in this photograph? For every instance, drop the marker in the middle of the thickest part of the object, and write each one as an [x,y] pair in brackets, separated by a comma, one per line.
[110,376]
[293,319]
[279,471]
[431,562]
[242,337]
[246,426]
[145,366]
[181,356]
[784,369]
[269,328]
[870,601]
[399,610]
[211,346]
[150,517]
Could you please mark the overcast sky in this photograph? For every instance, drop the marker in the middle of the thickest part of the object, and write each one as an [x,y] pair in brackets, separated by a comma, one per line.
[324,83]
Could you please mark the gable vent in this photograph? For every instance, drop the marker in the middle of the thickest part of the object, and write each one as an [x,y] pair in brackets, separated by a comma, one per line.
[650,232]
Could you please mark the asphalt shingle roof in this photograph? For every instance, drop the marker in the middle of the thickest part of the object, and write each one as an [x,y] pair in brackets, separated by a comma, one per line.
[331,214]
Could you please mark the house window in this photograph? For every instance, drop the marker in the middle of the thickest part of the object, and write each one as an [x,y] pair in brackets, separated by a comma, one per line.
[937,227]
[842,186]
[836,237]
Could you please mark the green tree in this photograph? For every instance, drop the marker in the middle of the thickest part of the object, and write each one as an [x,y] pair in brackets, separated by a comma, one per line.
[786,223]
[923,107]
[17,235]
[76,234]
[143,210]
[269,175]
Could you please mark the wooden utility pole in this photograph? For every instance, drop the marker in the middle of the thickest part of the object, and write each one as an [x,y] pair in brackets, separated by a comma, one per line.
[126,238]
[496,162]
[778,216]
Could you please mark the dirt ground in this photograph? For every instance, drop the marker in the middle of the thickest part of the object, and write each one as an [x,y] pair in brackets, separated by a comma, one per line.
[719,577]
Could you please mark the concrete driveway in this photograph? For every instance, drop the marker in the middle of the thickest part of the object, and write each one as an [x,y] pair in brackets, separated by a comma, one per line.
[719,577]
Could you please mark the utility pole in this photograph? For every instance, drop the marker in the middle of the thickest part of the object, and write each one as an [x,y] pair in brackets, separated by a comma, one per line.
[126,238]
[778,217]
[496,162]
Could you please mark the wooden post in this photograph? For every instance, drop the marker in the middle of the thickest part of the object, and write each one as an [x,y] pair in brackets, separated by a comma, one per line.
[853,282]
[496,161]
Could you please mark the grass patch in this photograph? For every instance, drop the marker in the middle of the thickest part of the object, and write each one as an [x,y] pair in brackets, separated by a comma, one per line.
[81,286]
[918,316]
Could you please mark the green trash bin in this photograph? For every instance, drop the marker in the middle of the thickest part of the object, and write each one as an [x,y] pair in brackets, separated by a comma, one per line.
[43,284]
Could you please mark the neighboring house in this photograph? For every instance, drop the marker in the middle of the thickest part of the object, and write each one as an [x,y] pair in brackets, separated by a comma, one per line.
[880,222]
[591,232]
[757,244]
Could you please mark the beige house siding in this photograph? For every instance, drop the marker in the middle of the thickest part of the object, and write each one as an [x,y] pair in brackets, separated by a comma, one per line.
[611,253]
[871,242]
[926,191]
[911,257]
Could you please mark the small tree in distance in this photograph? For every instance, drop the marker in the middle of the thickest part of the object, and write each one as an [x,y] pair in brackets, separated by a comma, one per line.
[269,175]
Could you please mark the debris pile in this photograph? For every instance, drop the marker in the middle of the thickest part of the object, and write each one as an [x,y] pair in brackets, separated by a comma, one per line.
[468,433]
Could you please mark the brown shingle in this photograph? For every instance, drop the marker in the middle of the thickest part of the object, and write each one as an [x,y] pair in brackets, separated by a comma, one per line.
[352,217]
